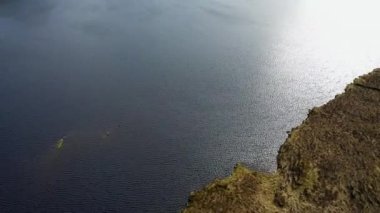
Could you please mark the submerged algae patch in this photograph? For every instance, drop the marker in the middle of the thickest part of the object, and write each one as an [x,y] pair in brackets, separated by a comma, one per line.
[60,143]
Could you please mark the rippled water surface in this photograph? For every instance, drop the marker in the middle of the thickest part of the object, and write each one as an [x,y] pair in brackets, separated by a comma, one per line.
[128,105]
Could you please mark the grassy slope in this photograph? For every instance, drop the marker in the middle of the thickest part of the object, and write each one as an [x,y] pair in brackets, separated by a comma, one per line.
[331,162]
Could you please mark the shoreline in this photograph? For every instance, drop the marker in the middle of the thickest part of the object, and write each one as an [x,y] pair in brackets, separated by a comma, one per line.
[331,162]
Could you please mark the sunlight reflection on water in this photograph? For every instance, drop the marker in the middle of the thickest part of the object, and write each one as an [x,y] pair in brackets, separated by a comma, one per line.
[156,98]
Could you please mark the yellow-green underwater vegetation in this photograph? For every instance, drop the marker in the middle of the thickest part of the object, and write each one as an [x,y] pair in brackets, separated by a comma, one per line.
[330,163]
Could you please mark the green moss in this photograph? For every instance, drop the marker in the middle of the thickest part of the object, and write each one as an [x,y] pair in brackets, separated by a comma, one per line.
[310,178]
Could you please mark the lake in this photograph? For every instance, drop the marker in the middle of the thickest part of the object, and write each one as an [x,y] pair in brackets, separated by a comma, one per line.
[129,105]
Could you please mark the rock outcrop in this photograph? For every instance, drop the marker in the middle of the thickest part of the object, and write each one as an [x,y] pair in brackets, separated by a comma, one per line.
[330,163]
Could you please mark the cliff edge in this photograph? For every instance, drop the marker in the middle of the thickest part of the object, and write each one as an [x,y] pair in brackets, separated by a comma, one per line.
[330,163]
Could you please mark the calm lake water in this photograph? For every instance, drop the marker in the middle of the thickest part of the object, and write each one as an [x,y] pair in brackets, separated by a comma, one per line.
[155,98]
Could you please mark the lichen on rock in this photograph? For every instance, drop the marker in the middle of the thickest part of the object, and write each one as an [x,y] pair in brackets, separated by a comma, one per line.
[330,163]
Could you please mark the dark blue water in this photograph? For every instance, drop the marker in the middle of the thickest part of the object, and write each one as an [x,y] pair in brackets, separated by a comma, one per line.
[153,99]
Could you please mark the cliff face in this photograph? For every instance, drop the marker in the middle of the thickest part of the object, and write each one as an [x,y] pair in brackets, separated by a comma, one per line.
[331,162]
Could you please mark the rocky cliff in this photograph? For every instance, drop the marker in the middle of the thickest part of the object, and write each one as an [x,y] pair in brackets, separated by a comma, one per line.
[330,163]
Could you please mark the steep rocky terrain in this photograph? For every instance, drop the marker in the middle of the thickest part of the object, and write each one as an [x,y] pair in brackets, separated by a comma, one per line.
[330,163]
